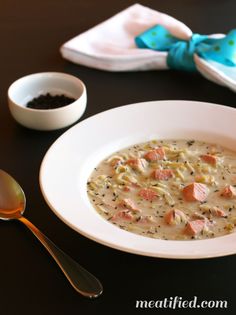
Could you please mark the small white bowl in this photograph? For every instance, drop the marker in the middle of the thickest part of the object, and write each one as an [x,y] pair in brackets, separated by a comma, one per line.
[25,89]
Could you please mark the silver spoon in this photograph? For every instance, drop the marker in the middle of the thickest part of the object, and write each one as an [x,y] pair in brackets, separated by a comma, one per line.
[12,206]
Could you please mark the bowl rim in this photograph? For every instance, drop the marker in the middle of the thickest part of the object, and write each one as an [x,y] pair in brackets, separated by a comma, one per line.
[47,73]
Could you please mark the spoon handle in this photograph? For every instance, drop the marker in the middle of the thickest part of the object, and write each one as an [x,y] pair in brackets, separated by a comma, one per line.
[82,281]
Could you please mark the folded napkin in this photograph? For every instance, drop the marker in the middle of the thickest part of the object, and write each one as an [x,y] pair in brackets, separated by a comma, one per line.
[115,45]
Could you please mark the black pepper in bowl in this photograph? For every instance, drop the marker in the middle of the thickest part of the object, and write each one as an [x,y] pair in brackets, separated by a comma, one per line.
[48,101]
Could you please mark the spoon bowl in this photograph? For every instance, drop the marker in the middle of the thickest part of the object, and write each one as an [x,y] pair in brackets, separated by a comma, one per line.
[12,198]
[12,207]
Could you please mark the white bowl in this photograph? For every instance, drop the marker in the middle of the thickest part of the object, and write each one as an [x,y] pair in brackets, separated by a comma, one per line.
[25,89]
[64,173]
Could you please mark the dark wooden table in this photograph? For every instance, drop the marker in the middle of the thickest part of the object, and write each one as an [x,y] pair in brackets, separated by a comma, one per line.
[31,33]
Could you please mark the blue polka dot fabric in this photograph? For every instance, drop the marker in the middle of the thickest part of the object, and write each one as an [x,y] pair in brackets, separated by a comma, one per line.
[222,50]
[180,52]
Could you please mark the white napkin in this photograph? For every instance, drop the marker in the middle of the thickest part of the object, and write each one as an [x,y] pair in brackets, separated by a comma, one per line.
[110,46]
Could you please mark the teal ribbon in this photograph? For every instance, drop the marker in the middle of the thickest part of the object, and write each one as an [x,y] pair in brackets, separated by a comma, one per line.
[180,52]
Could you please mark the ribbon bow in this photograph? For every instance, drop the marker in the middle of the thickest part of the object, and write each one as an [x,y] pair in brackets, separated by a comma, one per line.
[181,52]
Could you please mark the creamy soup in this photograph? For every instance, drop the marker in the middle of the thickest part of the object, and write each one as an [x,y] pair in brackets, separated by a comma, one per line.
[171,190]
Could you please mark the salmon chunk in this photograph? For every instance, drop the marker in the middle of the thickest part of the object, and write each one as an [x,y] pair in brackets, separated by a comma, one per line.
[195,227]
[217,212]
[162,174]
[115,162]
[228,192]
[126,189]
[208,158]
[129,204]
[212,211]
[175,216]
[125,215]
[137,164]
[195,192]
[155,155]
[148,194]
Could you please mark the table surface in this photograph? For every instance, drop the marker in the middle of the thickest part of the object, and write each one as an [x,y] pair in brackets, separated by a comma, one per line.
[31,33]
